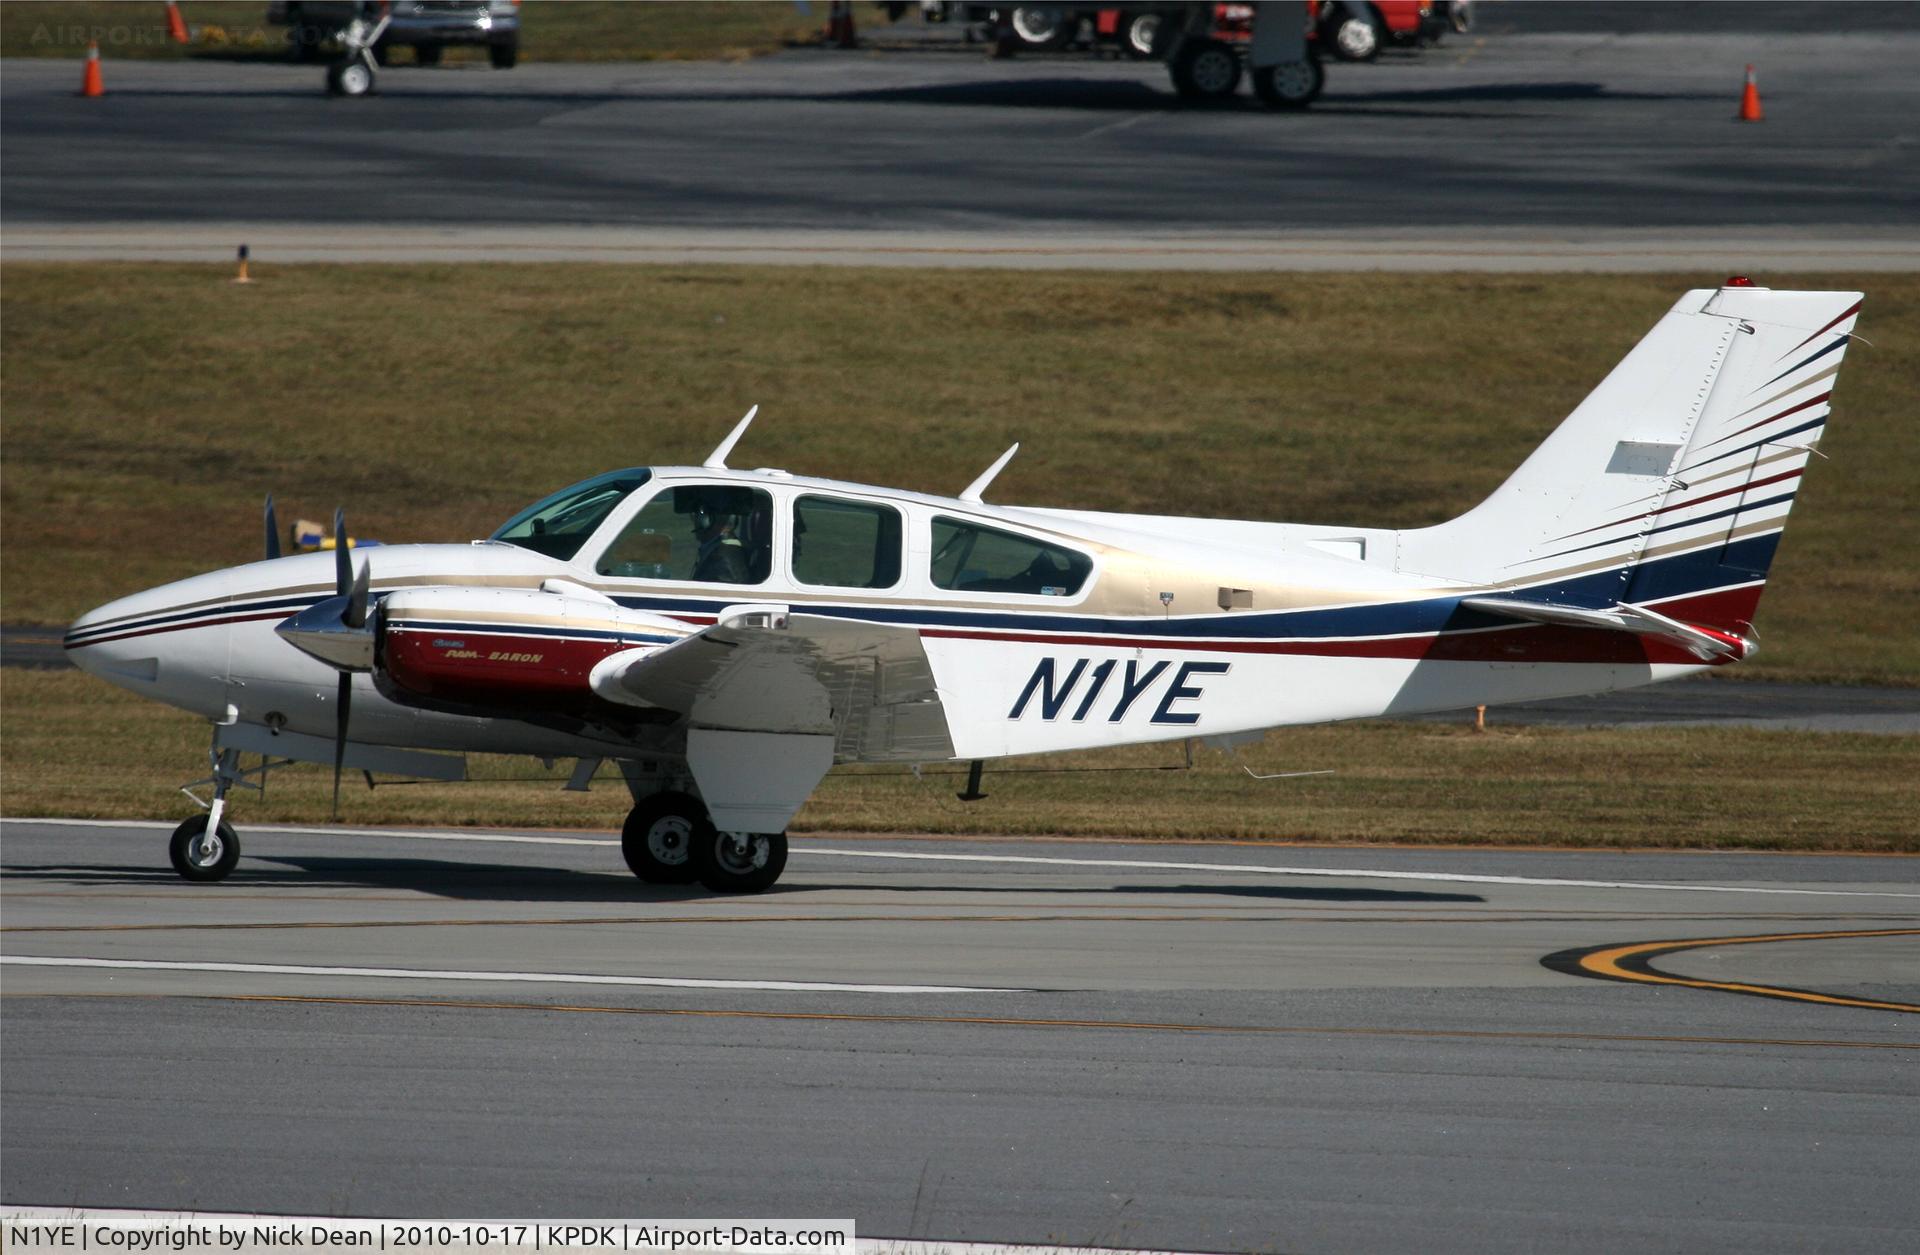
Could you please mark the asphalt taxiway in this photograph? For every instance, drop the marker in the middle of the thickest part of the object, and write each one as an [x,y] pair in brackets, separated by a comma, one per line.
[1188,1046]
[1534,146]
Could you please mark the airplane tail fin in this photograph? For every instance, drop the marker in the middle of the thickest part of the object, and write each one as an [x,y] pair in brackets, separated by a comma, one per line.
[1668,487]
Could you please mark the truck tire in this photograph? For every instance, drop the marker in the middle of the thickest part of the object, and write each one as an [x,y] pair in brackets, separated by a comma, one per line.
[1353,36]
[1143,36]
[504,55]
[1045,27]
[1205,69]
[1291,84]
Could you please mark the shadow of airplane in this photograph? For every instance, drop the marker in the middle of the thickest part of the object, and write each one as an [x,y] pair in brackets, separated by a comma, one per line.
[499,882]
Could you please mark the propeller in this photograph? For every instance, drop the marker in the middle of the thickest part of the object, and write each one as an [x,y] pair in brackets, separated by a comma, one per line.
[273,530]
[351,587]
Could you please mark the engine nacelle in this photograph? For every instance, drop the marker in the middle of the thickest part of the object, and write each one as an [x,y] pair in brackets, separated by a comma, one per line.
[507,649]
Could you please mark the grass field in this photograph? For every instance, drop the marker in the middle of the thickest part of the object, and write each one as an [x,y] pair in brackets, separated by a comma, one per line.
[88,750]
[149,408]
[577,30]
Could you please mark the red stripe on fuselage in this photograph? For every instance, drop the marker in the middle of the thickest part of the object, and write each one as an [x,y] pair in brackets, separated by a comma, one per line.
[178,627]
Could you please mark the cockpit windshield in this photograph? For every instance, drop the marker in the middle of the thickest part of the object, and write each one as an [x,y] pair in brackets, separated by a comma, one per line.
[558,525]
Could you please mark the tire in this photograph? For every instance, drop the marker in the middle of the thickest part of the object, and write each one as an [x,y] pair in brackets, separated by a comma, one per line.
[1143,36]
[722,867]
[1353,38]
[1045,26]
[195,862]
[1205,69]
[504,56]
[659,836]
[350,78]
[1291,84]
[427,54]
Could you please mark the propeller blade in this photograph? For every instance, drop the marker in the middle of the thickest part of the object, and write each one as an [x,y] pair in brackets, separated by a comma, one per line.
[355,615]
[273,530]
[344,706]
[342,561]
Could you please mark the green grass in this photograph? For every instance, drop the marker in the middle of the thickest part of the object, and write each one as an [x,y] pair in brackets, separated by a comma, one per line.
[84,749]
[550,31]
[149,408]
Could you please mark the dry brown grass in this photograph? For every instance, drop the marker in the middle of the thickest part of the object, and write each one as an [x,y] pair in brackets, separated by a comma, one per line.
[73,746]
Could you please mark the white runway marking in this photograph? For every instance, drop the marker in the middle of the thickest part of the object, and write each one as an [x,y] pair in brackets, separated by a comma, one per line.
[1252,869]
[540,978]
[1338,873]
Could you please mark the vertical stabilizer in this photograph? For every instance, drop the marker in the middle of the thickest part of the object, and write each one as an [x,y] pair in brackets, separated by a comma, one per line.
[1668,487]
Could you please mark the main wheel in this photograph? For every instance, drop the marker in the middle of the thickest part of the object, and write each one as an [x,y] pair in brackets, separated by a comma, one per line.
[1045,26]
[349,78]
[659,836]
[1141,36]
[1205,69]
[1290,85]
[745,862]
[200,855]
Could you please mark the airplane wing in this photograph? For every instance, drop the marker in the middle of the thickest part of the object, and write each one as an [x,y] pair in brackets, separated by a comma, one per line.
[762,669]
[1703,643]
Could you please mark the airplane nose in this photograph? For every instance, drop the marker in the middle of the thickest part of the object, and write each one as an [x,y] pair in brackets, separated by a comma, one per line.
[168,643]
[106,642]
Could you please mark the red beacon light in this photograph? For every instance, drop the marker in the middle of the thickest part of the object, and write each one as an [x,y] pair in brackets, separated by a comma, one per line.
[1737,281]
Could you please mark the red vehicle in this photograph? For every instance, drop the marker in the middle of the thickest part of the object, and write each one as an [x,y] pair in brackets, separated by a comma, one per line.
[1356,30]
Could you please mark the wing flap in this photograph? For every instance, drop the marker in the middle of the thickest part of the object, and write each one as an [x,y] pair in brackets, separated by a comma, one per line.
[766,670]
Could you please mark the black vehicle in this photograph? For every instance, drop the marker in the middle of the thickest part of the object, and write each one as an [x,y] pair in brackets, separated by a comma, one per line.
[426,26]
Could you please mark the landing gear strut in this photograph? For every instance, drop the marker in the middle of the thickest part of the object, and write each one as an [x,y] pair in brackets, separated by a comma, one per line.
[206,847]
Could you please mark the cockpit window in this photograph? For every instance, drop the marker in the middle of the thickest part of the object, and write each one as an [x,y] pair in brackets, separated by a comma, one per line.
[558,525]
[973,559]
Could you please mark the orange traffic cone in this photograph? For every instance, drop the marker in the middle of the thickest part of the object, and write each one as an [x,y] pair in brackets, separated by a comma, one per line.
[1749,102]
[176,25]
[90,84]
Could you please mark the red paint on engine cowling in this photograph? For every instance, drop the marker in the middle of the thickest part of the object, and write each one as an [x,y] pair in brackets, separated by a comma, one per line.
[543,673]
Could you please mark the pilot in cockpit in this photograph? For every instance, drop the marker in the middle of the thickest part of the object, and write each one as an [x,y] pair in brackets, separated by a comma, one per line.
[722,556]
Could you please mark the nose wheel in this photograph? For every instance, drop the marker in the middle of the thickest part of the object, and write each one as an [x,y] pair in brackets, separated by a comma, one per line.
[203,850]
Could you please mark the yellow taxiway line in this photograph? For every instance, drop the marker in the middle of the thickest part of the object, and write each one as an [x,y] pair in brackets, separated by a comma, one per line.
[1634,962]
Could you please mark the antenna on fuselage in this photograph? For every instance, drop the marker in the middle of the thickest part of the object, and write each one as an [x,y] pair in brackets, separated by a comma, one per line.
[978,486]
[717,460]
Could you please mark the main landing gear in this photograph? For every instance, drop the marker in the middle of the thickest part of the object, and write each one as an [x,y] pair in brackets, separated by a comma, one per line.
[669,839]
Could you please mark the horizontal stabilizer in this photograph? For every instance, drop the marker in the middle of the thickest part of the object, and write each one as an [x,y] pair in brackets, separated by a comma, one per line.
[1705,644]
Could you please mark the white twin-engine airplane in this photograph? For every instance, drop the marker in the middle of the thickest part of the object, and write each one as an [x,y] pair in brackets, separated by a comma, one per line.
[726,636]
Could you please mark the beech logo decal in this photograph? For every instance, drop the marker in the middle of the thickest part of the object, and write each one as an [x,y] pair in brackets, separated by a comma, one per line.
[1054,692]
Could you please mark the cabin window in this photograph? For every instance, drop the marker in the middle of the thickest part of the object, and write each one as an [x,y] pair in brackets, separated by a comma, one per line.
[558,525]
[969,558]
[698,533]
[845,544]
